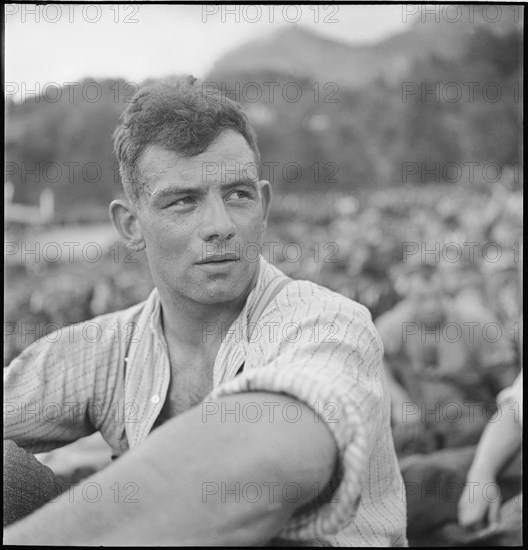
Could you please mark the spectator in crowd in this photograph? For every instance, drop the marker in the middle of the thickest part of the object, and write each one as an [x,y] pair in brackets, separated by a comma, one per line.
[438,356]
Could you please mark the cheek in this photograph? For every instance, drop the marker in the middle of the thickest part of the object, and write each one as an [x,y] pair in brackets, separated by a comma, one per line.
[252,224]
[252,234]
[165,241]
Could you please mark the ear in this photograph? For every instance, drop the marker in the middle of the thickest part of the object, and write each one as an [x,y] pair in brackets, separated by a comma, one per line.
[124,217]
[266,195]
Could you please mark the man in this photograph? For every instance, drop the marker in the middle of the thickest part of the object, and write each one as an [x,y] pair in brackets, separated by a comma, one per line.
[447,360]
[164,380]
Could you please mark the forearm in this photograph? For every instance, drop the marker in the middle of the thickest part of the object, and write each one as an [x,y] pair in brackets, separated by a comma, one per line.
[184,473]
[500,439]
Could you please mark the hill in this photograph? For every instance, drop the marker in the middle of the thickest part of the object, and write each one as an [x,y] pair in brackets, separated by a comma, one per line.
[341,116]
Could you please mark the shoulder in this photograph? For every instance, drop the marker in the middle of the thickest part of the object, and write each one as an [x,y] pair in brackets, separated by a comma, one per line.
[299,293]
[93,337]
[111,321]
[300,297]
[304,305]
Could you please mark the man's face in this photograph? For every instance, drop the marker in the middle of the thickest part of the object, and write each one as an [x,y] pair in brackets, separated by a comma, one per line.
[194,212]
[427,298]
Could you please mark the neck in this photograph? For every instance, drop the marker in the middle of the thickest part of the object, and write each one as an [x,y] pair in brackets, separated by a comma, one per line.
[194,325]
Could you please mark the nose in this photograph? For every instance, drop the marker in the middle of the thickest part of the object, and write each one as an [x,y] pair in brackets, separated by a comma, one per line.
[217,223]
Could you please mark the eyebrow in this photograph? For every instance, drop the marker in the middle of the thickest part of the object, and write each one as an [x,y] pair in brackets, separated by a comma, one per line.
[189,190]
[162,193]
[244,182]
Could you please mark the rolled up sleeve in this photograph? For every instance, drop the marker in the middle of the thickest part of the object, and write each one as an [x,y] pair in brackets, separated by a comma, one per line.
[326,354]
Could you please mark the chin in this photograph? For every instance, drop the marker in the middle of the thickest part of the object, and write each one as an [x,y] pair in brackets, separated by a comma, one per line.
[219,290]
[218,296]
[214,288]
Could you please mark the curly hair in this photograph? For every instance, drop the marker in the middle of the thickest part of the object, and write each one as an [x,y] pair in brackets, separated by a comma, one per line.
[179,117]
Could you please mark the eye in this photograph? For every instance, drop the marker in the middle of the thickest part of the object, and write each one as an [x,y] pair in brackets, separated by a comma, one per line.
[238,195]
[185,201]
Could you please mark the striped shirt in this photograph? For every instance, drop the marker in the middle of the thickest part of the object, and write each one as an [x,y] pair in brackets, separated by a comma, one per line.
[111,374]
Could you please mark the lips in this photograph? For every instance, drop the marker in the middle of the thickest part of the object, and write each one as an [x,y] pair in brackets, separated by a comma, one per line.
[216,258]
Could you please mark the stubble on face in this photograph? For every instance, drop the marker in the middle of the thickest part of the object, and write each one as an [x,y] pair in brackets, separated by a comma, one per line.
[182,214]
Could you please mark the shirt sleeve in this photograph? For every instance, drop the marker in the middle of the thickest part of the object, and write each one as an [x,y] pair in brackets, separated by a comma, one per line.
[47,392]
[327,355]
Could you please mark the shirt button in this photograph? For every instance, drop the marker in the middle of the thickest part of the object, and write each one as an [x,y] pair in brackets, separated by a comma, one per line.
[155,399]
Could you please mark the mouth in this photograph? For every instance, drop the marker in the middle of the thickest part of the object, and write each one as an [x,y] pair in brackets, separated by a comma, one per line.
[219,259]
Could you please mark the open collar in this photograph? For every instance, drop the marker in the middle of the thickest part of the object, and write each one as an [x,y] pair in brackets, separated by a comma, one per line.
[147,364]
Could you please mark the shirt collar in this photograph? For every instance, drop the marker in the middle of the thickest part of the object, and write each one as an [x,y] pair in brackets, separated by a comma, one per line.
[148,368]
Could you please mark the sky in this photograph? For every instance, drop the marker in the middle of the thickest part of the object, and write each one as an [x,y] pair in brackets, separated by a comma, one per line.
[62,43]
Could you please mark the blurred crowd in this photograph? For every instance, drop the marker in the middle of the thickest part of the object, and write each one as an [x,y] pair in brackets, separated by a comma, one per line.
[426,255]
[472,234]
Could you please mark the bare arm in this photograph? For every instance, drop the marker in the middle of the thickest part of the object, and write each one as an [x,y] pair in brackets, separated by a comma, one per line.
[187,472]
[499,441]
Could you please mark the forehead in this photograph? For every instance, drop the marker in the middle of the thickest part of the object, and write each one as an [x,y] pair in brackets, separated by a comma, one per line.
[227,156]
